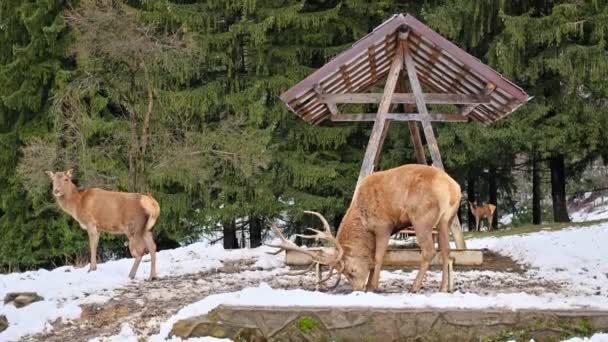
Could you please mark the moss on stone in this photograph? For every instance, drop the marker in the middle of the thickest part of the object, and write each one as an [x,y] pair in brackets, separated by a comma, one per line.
[306,324]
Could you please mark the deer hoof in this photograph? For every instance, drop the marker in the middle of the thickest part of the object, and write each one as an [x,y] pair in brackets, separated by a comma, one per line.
[92,268]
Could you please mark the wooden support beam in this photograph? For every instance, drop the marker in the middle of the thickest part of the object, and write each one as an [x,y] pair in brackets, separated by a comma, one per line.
[412,125]
[466,110]
[405,98]
[380,124]
[417,141]
[429,135]
[421,104]
[331,106]
[434,117]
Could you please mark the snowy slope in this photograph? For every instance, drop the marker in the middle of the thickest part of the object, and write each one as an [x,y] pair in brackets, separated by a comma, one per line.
[65,288]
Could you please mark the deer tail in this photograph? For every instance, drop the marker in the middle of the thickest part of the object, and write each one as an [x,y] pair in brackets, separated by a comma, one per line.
[152,208]
[471,206]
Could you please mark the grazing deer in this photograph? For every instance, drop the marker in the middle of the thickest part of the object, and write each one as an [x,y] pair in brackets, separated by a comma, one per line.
[420,195]
[485,211]
[98,210]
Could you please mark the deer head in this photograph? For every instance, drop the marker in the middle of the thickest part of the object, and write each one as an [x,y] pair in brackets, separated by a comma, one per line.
[355,269]
[62,182]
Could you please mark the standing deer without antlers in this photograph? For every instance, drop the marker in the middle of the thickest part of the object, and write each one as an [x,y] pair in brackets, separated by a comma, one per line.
[486,211]
[420,195]
[98,210]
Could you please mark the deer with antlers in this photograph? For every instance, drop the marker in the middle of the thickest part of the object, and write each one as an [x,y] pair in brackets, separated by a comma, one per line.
[98,210]
[485,211]
[420,195]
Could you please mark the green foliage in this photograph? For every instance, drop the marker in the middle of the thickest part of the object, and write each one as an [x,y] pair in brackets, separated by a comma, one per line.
[181,99]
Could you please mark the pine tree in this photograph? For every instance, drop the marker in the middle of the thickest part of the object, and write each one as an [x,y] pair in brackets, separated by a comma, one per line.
[33,64]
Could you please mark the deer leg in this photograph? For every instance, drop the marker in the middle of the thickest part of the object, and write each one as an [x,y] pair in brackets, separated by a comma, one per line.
[93,241]
[444,250]
[137,252]
[490,219]
[381,246]
[151,246]
[476,223]
[424,236]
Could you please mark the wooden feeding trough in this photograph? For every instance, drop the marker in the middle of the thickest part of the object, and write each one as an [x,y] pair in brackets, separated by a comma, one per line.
[438,72]
[397,257]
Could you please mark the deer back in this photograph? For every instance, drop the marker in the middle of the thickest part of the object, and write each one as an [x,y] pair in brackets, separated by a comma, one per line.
[112,211]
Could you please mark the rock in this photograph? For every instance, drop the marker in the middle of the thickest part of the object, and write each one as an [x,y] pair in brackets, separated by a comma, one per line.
[3,323]
[21,299]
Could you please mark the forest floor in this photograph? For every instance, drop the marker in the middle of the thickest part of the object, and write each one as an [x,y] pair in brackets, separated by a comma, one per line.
[550,268]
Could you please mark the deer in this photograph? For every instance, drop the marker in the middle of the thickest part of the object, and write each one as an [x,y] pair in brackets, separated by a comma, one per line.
[485,211]
[97,210]
[423,196]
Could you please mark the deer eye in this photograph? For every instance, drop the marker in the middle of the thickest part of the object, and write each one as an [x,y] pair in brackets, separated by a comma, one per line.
[65,179]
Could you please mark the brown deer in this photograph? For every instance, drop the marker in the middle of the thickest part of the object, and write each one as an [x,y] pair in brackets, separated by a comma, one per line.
[486,211]
[98,210]
[420,195]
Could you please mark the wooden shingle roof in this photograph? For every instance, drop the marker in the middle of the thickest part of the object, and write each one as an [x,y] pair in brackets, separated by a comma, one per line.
[441,66]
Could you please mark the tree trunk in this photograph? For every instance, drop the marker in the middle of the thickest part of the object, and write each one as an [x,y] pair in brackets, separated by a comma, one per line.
[255,231]
[558,189]
[493,193]
[536,192]
[230,240]
[471,198]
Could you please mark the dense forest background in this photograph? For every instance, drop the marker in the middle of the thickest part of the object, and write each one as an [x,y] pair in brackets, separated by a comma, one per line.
[180,99]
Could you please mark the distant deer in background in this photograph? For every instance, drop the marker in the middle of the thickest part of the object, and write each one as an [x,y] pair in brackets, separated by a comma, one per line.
[485,211]
[98,210]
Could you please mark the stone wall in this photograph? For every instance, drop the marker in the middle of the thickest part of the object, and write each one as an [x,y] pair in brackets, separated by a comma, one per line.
[364,324]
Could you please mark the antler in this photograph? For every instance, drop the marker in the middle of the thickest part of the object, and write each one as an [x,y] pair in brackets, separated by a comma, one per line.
[334,261]
[324,235]
[287,245]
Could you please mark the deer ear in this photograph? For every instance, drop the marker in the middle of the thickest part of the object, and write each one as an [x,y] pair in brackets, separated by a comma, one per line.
[49,173]
[69,173]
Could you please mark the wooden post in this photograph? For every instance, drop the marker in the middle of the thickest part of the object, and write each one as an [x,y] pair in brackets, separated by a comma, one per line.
[421,104]
[417,141]
[429,134]
[379,130]
[413,126]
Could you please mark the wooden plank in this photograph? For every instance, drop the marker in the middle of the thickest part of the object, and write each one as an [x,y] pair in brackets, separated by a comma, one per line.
[375,140]
[395,257]
[420,103]
[434,117]
[482,69]
[417,142]
[331,106]
[412,125]
[405,98]
[372,63]
[469,108]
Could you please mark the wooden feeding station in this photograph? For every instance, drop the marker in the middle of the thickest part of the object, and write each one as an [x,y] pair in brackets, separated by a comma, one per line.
[438,72]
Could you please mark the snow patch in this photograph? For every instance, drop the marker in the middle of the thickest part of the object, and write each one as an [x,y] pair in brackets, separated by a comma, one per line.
[66,288]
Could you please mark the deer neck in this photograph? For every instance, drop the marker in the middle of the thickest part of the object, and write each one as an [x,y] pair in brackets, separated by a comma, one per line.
[353,236]
[70,201]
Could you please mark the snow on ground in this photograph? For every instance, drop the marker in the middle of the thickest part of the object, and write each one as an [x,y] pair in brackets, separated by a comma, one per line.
[595,338]
[65,288]
[574,257]
[599,212]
